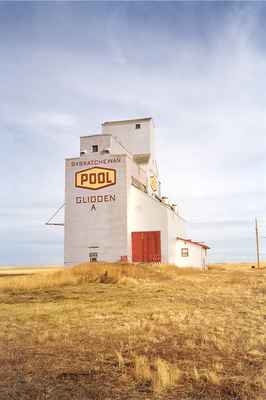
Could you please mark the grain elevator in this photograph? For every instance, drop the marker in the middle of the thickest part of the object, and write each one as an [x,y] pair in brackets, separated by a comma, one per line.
[114,210]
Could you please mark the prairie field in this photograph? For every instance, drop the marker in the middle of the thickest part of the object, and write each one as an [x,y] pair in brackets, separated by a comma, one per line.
[118,331]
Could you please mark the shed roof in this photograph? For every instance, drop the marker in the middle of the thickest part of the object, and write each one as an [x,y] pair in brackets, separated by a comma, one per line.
[204,245]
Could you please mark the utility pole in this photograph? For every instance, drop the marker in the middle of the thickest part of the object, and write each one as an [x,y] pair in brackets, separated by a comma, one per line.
[257,243]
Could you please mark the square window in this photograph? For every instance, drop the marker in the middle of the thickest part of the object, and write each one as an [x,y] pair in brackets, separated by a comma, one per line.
[184,252]
[138,126]
[93,257]
[95,148]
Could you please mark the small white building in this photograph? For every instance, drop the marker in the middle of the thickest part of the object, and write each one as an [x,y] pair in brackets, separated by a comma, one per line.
[191,254]
[113,205]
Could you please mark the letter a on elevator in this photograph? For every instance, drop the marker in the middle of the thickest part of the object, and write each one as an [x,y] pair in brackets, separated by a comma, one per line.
[95,178]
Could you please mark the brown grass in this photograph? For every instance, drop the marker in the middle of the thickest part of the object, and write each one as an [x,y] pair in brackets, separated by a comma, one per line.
[159,374]
[118,331]
[93,273]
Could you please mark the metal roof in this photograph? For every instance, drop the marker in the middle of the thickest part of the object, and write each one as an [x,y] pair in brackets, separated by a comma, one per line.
[126,120]
[193,242]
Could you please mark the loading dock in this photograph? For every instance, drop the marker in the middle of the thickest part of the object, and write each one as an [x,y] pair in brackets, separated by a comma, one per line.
[146,246]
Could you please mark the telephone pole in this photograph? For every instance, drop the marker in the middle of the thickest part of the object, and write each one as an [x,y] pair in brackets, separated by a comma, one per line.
[257,243]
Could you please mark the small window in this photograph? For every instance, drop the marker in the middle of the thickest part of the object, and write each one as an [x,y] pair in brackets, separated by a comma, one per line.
[93,257]
[95,148]
[138,126]
[184,252]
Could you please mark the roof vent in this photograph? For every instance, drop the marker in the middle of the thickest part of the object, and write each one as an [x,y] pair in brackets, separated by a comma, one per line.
[174,207]
[165,200]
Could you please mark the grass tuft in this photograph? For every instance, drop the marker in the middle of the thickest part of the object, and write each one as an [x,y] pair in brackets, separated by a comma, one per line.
[143,370]
[160,374]
[166,375]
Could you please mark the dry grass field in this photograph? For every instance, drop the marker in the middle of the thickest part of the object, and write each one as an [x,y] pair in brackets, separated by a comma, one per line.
[106,331]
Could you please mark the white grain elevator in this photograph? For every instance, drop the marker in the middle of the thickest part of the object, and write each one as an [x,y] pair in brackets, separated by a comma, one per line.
[113,206]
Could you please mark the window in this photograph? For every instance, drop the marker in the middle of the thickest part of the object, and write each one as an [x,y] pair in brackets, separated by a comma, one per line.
[93,257]
[184,252]
[138,126]
[95,148]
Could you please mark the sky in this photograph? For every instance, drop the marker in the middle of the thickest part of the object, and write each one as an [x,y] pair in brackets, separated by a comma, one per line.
[197,68]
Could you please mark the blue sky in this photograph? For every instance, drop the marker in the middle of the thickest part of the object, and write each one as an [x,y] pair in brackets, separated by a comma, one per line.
[197,68]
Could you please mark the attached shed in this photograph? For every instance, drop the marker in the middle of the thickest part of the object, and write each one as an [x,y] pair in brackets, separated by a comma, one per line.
[191,253]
